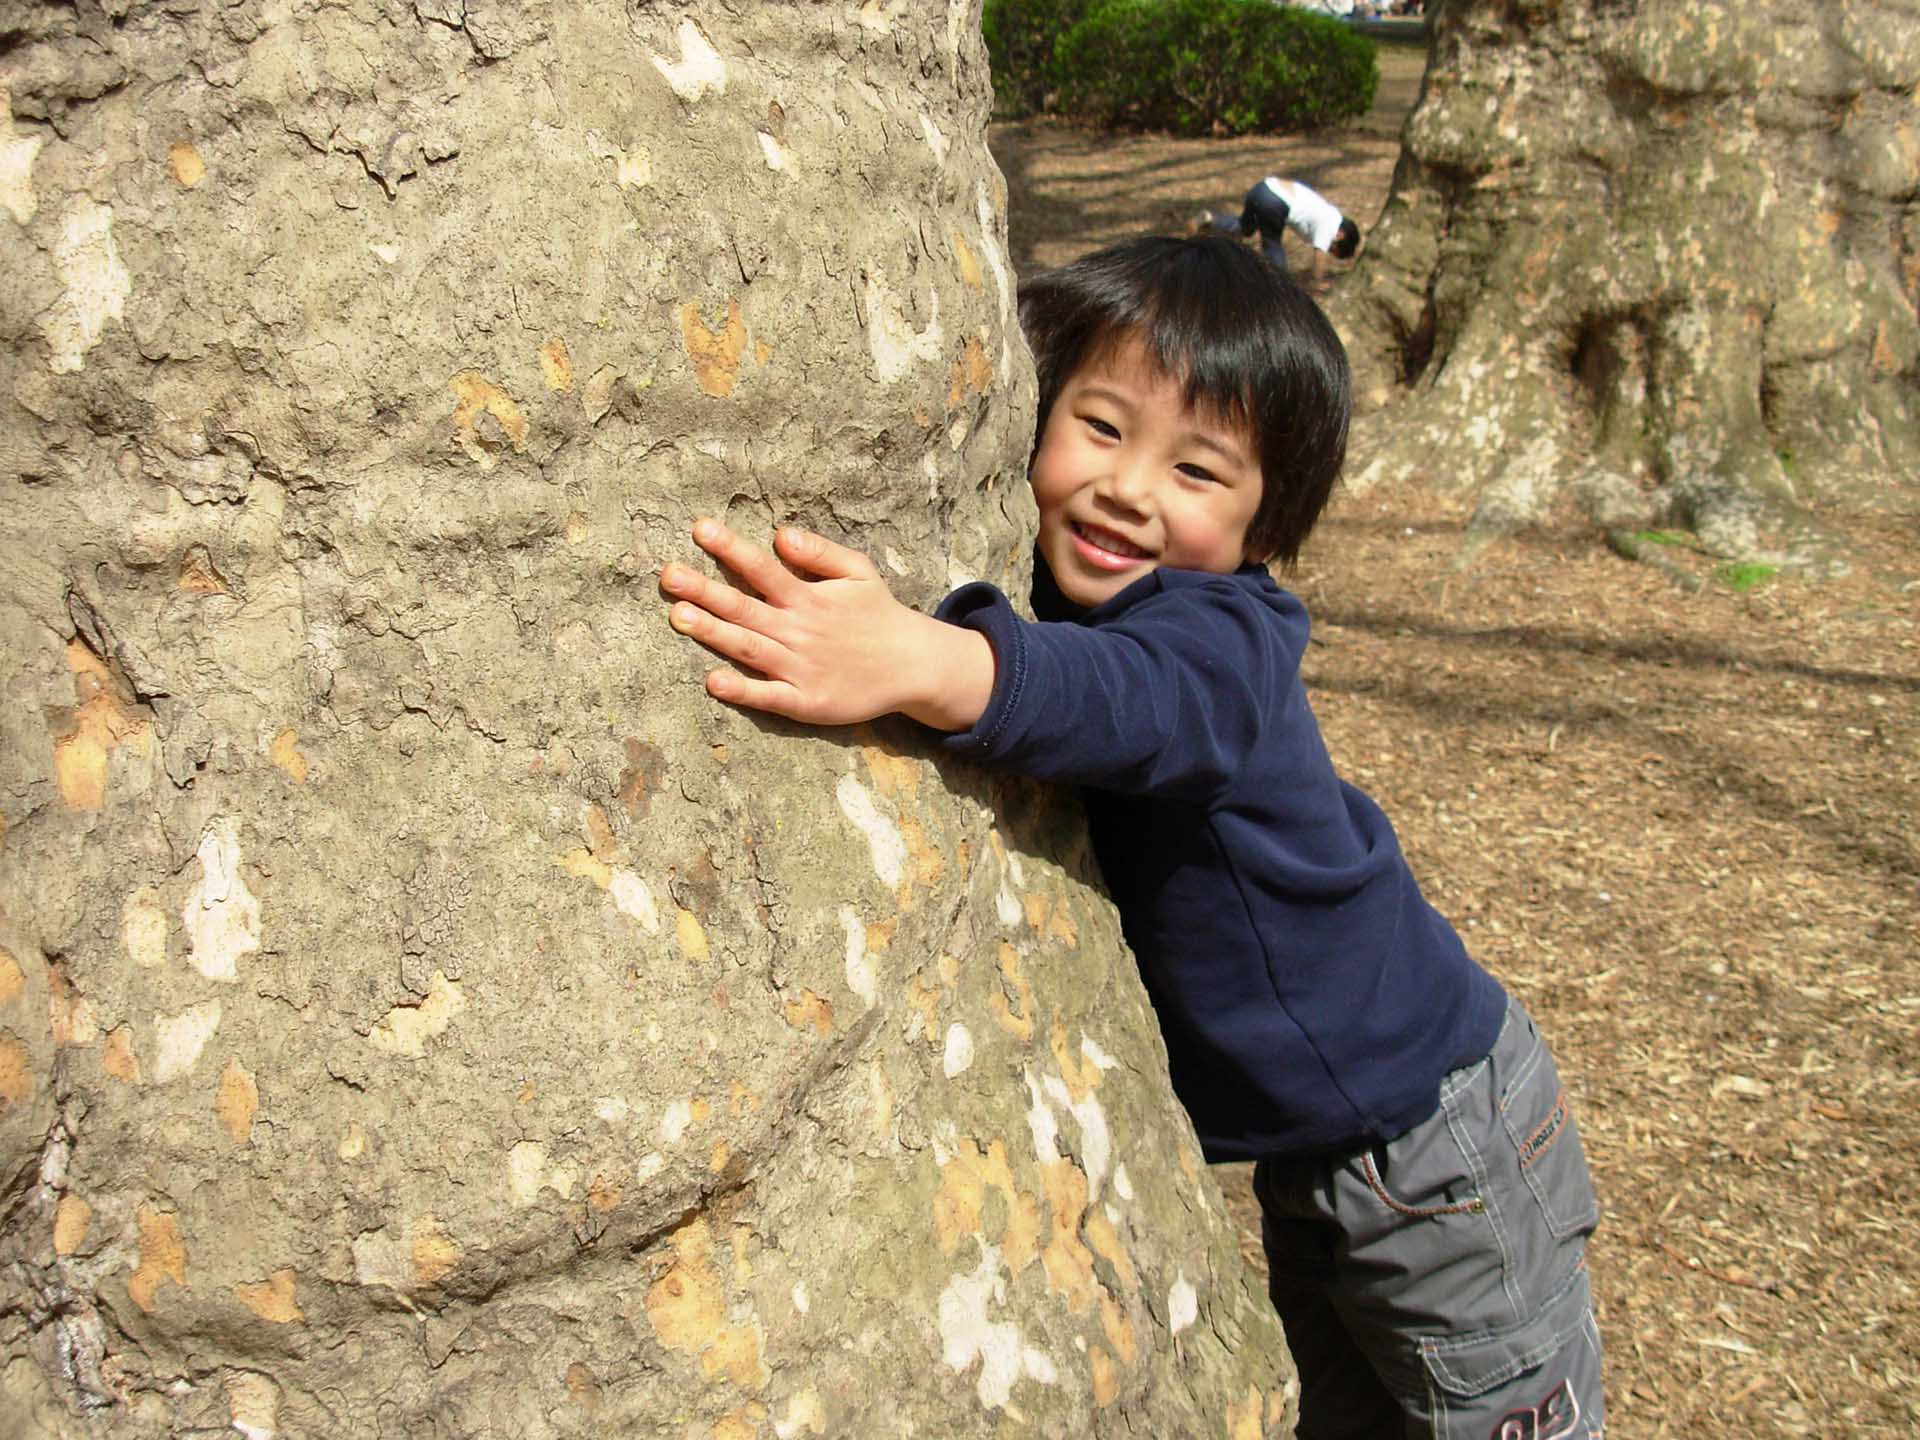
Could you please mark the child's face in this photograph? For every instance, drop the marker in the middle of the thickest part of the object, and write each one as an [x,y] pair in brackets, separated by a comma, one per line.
[1129,479]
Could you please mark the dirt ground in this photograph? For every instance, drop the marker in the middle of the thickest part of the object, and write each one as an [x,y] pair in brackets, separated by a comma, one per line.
[1679,825]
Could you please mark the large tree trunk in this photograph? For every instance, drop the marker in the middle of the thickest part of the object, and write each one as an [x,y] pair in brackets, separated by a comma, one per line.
[421,1010]
[1665,252]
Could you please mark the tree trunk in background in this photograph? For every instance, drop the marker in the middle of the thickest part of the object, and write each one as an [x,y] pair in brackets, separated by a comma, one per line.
[1666,253]
[422,1011]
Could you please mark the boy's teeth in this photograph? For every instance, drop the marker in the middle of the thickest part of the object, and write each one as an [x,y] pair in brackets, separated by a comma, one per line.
[1108,541]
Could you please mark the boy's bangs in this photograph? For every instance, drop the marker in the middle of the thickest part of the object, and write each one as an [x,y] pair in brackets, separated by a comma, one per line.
[1211,370]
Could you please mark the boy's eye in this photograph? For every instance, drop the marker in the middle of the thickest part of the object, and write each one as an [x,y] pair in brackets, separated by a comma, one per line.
[1197,472]
[1101,427]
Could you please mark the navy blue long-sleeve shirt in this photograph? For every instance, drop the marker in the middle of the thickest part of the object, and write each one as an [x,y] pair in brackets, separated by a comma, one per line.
[1310,998]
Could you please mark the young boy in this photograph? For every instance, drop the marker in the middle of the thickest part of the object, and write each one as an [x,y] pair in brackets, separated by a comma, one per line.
[1424,1198]
[1275,205]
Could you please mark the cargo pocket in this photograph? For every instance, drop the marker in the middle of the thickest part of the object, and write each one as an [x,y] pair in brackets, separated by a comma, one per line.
[1539,1121]
[1469,1372]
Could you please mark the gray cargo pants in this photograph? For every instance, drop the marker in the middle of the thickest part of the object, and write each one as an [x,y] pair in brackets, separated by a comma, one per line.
[1437,1285]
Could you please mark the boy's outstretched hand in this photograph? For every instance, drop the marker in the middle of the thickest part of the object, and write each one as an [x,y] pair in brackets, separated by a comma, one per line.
[829,643]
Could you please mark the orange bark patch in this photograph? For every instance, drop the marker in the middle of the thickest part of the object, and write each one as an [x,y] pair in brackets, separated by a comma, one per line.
[1118,1328]
[971,373]
[236,1102]
[893,775]
[599,832]
[476,399]
[969,265]
[584,1386]
[717,1161]
[13,981]
[1106,1244]
[602,1194]
[1067,1262]
[70,1014]
[162,1256]
[285,753]
[103,720]
[715,355]
[1081,1075]
[185,165]
[583,864]
[692,938]
[199,575]
[1243,1417]
[924,1000]
[556,365]
[811,1009]
[960,1206]
[1106,1381]
[16,1071]
[687,1309]
[1017,1023]
[272,1299]
[70,1220]
[435,1253]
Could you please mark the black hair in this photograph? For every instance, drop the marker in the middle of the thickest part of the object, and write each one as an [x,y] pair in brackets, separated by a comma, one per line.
[1346,240]
[1249,345]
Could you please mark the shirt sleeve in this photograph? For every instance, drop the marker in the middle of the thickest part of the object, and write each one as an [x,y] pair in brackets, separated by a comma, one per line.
[1167,699]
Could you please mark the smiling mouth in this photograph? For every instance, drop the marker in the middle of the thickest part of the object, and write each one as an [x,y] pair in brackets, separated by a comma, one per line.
[1103,546]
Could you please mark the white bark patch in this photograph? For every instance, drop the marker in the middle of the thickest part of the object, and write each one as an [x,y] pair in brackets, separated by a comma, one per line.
[989,218]
[221,915]
[860,974]
[648,1166]
[1096,1142]
[179,1039]
[1183,1305]
[888,846]
[1122,1182]
[253,1405]
[88,263]
[937,142]
[699,68]
[959,1054]
[406,1029]
[143,928]
[632,169]
[895,345]
[1006,907]
[675,1122]
[1090,1048]
[632,897]
[777,156]
[1041,1122]
[967,1335]
[16,164]
[528,1174]
[611,1108]
[801,1300]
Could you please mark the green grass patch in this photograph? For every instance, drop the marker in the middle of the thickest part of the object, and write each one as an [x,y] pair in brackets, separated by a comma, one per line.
[1743,577]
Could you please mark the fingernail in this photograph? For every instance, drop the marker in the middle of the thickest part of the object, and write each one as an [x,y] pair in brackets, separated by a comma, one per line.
[682,617]
[703,529]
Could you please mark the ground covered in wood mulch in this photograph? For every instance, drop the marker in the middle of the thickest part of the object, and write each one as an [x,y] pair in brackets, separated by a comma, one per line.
[1679,824]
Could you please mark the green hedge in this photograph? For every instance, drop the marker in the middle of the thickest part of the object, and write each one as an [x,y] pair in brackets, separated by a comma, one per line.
[1192,67]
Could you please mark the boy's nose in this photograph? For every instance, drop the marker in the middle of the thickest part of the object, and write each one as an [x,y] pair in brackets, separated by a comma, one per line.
[1128,483]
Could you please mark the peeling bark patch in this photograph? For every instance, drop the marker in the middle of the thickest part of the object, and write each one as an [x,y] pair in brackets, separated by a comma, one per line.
[971,373]
[71,1217]
[632,898]
[804,1413]
[16,1071]
[236,1102]
[221,915]
[896,347]
[811,1010]
[1067,1262]
[198,575]
[17,154]
[690,936]
[884,841]
[970,273]
[699,68]
[1243,1418]
[13,984]
[273,1299]
[253,1405]
[101,723]
[117,1057]
[556,365]
[959,1207]
[861,979]
[143,928]
[285,753]
[162,1256]
[434,1253]
[959,1051]
[968,1336]
[646,768]
[179,1039]
[185,165]
[687,1309]
[1183,1305]
[476,401]
[715,356]
[406,1029]
[97,286]
[70,1015]
[584,1386]
[1017,1022]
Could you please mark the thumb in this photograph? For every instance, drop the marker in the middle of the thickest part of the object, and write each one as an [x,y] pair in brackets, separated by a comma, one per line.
[817,555]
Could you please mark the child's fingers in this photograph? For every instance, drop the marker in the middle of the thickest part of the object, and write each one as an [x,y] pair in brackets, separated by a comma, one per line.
[773,696]
[756,566]
[717,597]
[738,643]
[818,555]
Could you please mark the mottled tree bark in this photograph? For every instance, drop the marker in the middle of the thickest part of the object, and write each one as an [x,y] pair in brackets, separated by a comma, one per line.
[422,1011]
[1662,253]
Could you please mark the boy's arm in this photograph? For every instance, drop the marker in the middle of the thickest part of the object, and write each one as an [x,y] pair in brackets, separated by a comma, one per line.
[823,638]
